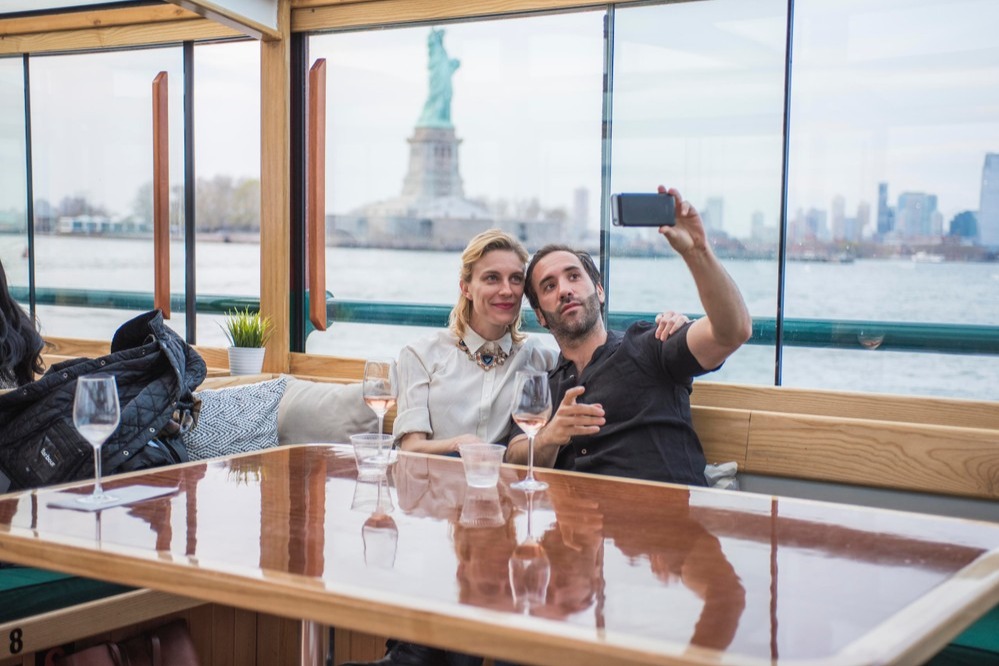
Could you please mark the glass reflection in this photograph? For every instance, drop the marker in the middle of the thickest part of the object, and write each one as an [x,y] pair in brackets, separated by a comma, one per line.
[676,547]
[381,539]
[530,568]
[372,495]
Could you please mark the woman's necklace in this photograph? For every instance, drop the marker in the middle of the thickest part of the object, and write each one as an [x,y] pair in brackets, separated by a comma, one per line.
[487,360]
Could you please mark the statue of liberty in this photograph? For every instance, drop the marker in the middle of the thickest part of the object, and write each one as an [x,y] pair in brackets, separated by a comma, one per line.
[440,68]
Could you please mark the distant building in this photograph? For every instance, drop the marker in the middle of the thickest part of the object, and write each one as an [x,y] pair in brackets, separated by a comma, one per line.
[713,214]
[965,226]
[838,217]
[580,219]
[886,216]
[988,209]
[862,221]
[815,225]
[917,217]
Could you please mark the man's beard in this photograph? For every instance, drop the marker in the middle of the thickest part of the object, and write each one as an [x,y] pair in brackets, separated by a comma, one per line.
[577,328]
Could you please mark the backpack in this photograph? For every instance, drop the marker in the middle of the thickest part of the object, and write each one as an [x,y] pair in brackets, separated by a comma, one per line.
[156,372]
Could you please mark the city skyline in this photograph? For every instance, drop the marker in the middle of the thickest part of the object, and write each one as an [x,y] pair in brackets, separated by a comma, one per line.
[872,101]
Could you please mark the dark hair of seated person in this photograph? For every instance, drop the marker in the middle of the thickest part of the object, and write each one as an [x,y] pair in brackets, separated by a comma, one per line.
[21,344]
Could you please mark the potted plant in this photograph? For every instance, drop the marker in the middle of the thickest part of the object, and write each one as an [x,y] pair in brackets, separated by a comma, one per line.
[248,333]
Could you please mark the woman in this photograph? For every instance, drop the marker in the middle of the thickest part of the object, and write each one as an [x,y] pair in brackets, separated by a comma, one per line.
[457,384]
[20,343]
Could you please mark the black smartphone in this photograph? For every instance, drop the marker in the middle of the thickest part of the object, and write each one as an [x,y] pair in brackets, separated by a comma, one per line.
[642,209]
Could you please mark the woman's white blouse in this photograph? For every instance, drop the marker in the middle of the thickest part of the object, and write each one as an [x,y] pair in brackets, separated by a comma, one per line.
[444,393]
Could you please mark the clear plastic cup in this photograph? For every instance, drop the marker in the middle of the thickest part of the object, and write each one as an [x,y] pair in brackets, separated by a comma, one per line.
[372,451]
[482,463]
[481,508]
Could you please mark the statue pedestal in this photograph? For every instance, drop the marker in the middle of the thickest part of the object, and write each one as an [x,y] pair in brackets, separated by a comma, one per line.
[433,164]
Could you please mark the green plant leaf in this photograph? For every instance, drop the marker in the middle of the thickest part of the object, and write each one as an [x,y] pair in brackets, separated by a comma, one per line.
[244,328]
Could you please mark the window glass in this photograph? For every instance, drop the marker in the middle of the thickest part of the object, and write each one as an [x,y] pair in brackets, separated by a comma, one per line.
[698,105]
[411,178]
[227,170]
[13,184]
[891,210]
[91,121]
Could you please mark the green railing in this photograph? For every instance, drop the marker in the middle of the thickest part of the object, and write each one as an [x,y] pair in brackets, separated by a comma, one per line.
[852,334]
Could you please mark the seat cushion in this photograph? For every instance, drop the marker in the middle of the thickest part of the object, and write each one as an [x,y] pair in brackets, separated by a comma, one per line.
[236,419]
[26,591]
[317,412]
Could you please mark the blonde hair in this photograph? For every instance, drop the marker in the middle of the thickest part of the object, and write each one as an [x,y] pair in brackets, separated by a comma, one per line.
[478,247]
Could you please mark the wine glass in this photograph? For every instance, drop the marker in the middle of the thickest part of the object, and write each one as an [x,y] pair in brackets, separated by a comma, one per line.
[530,569]
[95,415]
[380,390]
[532,407]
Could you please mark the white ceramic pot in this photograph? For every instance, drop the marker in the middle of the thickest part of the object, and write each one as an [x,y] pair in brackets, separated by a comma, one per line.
[246,360]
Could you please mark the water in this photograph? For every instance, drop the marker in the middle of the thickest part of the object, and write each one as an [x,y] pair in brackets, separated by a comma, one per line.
[892,290]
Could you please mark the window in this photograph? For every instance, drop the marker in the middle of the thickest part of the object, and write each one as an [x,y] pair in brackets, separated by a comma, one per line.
[890,136]
[698,105]
[13,185]
[410,178]
[92,161]
[227,159]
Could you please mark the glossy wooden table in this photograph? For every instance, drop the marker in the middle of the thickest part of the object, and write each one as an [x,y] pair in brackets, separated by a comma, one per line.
[638,573]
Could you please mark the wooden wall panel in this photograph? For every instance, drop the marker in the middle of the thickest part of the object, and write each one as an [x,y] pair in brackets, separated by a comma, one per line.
[97,18]
[724,433]
[883,407]
[885,454]
[320,14]
[356,646]
[167,32]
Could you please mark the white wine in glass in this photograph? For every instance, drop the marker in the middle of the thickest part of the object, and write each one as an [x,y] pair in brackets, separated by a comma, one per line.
[380,390]
[95,415]
[532,407]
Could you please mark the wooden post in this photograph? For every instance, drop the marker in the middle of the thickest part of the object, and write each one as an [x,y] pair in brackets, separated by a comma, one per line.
[161,196]
[316,206]
[275,189]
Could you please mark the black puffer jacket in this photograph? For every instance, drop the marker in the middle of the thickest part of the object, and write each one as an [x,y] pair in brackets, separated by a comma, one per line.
[156,372]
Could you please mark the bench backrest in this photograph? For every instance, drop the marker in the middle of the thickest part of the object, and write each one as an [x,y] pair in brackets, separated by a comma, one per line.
[931,445]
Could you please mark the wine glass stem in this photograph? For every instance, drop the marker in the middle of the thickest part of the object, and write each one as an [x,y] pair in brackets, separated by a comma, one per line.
[530,457]
[98,490]
[381,430]
[530,514]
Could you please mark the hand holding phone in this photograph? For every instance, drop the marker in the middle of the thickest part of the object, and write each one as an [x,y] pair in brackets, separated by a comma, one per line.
[643,209]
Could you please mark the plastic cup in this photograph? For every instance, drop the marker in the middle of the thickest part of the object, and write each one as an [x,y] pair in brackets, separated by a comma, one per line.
[481,508]
[372,452]
[372,494]
[482,463]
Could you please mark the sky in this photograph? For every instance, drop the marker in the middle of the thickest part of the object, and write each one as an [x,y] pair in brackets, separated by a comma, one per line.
[897,91]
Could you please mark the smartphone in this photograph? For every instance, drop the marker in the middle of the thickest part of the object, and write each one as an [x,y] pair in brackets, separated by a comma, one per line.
[642,209]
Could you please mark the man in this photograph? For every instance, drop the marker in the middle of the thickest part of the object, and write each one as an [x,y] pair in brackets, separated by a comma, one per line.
[623,399]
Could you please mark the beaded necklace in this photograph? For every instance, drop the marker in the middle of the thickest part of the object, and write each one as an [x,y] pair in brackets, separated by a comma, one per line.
[487,360]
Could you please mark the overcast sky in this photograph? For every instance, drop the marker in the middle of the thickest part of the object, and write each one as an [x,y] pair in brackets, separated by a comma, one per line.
[905,92]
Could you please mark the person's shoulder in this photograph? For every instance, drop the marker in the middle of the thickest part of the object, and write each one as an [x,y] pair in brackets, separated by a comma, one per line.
[540,355]
[639,327]
[439,340]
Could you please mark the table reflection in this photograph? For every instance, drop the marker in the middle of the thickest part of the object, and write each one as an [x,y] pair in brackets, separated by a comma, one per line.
[742,573]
